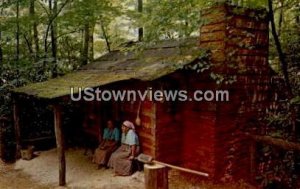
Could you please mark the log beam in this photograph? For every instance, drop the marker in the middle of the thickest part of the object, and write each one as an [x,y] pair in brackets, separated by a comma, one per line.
[17,128]
[60,144]
[281,143]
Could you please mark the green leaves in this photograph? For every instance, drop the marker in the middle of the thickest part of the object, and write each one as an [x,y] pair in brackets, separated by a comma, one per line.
[295,100]
[169,19]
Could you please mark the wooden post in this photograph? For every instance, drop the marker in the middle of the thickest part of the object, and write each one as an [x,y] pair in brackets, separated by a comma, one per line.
[2,125]
[156,176]
[17,129]
[60,145]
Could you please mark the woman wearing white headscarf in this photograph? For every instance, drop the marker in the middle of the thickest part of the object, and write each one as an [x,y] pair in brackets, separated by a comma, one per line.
[121,159]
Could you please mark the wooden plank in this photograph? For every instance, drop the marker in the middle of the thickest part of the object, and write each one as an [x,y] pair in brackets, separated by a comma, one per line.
[60,144]
[37,139]
[17,129]
[154,122]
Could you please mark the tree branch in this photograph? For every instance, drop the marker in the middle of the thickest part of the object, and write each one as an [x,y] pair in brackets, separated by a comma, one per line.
[51,20]
[29,45]
[105,35]
[63,34]
[45,9]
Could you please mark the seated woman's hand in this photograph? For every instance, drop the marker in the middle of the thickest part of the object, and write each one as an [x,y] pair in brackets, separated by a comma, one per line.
[103,147]
[131,157]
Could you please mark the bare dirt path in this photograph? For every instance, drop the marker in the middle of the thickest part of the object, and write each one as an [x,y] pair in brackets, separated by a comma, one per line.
[81,172]
[11,178]
[42,173]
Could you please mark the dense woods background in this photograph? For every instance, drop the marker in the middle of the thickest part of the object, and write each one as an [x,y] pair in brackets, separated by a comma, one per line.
[43,39]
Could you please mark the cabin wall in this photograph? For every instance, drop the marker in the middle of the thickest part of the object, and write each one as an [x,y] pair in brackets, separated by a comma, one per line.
[146,131]
[93,119]
[199,119]
[128,110]
[185,131]
[169,134]
[169,124]
[97,113]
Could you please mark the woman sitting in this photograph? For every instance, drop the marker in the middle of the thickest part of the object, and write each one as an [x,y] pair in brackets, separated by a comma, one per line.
[109,144]
[121,159]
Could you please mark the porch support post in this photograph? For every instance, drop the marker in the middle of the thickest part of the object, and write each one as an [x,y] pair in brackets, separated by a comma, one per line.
[60,144]
[17,128]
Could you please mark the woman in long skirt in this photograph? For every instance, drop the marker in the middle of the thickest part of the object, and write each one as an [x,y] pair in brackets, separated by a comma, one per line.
[111,137]
[121,159]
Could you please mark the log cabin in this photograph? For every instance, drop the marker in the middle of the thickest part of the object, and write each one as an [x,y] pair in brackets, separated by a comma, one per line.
[205,136]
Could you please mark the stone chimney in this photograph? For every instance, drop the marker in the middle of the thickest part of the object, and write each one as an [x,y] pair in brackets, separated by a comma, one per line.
[238,40]
[237,37]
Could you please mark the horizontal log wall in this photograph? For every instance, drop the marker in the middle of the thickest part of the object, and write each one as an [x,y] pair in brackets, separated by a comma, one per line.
[169,125]
[120,111]
[129,111]
[146,131]
[168,133]
[199,119]
[94,121]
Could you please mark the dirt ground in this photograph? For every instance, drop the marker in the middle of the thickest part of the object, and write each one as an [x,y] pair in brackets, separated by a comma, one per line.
[42,173]
[16,179]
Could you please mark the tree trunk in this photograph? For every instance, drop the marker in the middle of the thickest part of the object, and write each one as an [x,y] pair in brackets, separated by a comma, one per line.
[91,43]
[54,32]
[106,38]
[1,53]
[52,18]
[54,39]
[34,28]
[140,10]
[29,40]
[85,50]
[156,176]
[18,32]
[47,32]
[298,16]
[29,44]
[284,66]
[280,21]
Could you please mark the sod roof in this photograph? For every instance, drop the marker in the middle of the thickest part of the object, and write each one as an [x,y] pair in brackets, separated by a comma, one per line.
[148,64]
